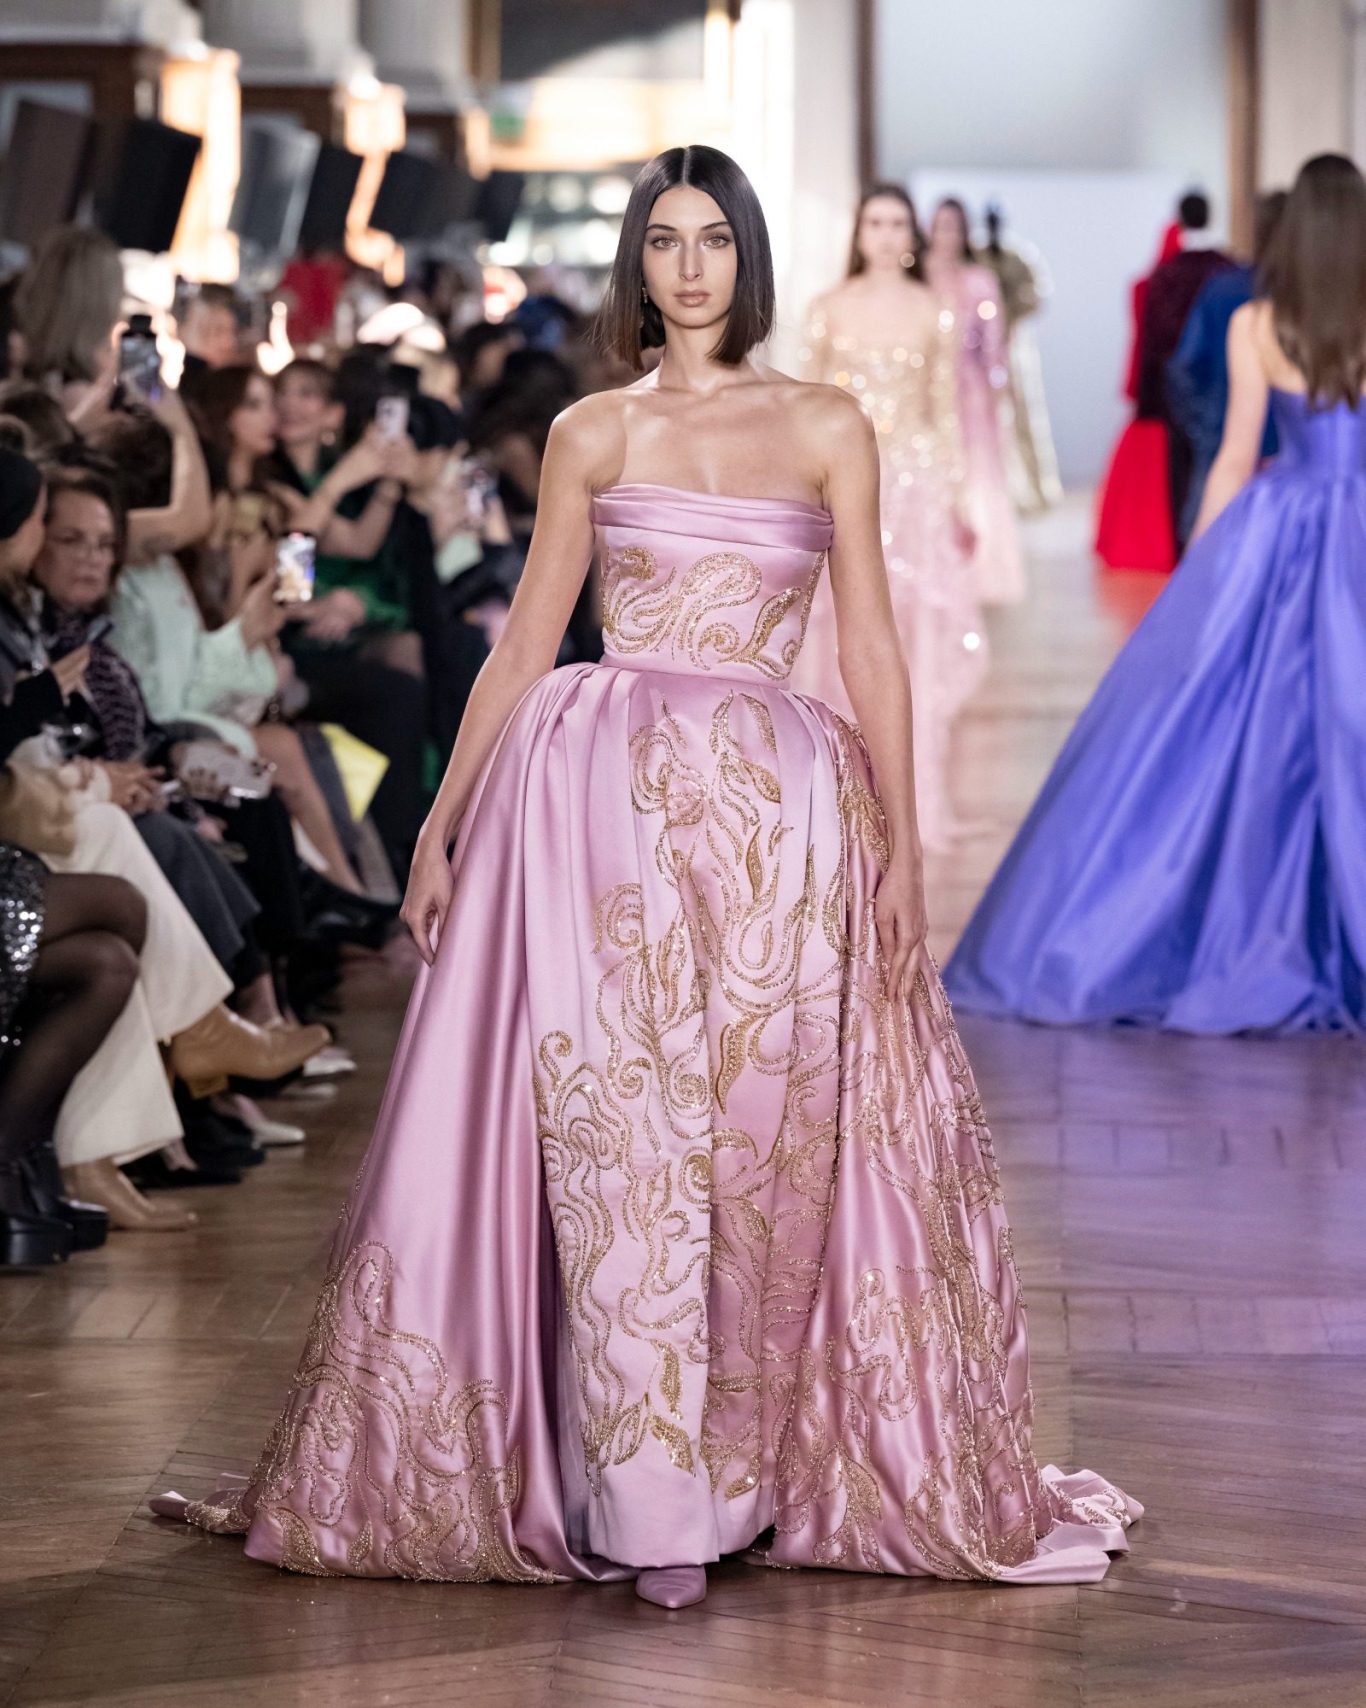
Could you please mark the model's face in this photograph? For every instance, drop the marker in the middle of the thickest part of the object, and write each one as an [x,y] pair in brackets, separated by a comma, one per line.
[210,332]
[689,258]
[252,423]
[885,232]
[78,549]
[303,409]
[948,234]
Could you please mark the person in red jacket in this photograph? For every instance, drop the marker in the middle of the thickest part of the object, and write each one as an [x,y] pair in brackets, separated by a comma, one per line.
[1134,527]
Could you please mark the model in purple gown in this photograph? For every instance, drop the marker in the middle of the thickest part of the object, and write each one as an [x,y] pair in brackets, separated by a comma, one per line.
[1197,858]
[677,1232]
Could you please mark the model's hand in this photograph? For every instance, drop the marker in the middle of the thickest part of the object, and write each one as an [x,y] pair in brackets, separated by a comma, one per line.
[899,910]
[428,897]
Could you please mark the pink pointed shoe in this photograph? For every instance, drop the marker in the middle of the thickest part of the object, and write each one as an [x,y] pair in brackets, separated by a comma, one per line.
[169,1505]
[174,1505]
[672,1586]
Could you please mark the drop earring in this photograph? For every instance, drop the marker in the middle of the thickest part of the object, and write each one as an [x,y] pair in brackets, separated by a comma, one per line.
[644,297]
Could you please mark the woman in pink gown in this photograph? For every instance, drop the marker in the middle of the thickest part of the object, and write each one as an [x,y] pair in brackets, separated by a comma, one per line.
[882,336]
[973,294]
[681,1231]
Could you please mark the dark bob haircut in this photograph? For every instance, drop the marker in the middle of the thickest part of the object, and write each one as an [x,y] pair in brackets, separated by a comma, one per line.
[627,323]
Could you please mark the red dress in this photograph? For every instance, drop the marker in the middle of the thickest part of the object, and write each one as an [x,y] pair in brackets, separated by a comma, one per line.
[1134,527]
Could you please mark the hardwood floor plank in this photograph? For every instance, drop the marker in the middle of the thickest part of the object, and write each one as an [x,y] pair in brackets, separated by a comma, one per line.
[1190,1220]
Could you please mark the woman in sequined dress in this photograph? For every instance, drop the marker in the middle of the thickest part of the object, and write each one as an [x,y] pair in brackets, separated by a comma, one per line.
[971,292]
[882,337]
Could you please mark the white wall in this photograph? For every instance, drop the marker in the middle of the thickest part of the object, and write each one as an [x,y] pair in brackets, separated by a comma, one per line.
[793,128]
[1071,84]
[1305,51]
[1086,118]
[1097,232]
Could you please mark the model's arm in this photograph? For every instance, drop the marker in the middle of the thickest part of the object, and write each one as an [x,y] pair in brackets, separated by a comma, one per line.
[1246,418]
[556,564]
[874,671]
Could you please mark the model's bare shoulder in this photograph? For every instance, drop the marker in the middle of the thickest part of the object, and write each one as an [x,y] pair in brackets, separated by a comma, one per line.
[831,431]
[589,437]
[826,409]
[1253,322]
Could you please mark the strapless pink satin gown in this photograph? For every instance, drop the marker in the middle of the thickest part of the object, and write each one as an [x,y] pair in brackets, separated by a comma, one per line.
[673,1229]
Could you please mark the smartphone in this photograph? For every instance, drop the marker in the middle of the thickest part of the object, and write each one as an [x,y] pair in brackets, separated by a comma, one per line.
[480,487]
[391,415]
[294,564]
[139,362]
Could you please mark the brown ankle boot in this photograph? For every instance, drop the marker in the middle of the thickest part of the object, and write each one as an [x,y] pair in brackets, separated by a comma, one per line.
[222,1043]
[106,1184]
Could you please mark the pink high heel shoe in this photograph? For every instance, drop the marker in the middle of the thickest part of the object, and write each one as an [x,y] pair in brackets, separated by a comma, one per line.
[672,1586]
[173,1505]
[169,1505]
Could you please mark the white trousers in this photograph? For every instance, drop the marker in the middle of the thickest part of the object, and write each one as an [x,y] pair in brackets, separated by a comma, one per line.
[120,1104]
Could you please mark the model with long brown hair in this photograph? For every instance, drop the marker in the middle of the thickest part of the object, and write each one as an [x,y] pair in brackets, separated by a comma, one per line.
[879,335]
[1195,860]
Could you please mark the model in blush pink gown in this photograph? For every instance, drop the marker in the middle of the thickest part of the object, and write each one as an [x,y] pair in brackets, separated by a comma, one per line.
[910,392]
[971,293]
[983,404]
[675,1229]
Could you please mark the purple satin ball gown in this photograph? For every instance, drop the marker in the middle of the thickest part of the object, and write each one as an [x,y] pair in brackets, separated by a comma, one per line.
[673,1230]
[1197,858]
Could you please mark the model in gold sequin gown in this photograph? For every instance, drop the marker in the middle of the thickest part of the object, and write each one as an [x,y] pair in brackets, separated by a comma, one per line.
[910,391]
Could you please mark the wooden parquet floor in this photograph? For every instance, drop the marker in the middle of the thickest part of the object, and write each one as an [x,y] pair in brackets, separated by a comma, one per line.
[1190,1219]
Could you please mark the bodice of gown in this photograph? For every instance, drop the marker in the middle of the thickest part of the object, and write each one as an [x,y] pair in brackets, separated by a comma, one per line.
[700,585]
[1328,443]
[910,393]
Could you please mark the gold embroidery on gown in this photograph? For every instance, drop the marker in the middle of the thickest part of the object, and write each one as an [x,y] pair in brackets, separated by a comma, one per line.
[782,1289]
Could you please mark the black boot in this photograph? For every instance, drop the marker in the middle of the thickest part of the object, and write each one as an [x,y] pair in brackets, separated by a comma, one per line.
[27,1237]
[89,1223]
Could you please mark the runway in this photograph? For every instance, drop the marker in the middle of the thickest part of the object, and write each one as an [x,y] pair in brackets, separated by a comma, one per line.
[1190,1223]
